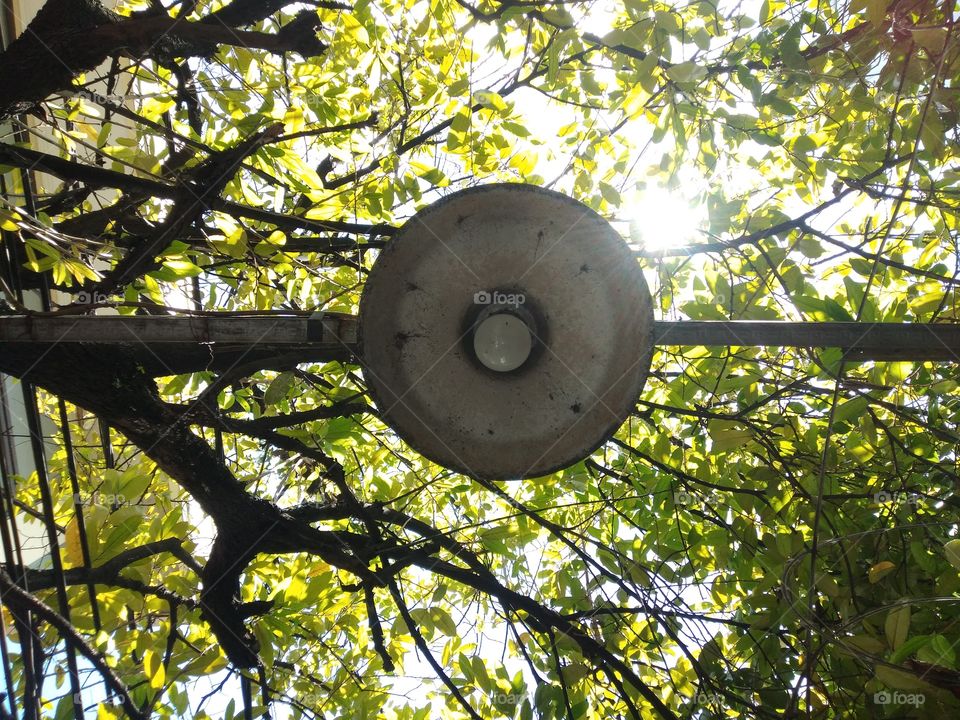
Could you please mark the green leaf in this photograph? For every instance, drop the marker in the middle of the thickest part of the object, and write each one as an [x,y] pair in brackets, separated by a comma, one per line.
[951,551]
[444,623]
[525,162]
[181,268]
[851,410]
[880,571]
[9,220]
[909,648]
[867,643]
[610,194]
[686,72]
[897,625]
[836,311]
[728,435]
[939,651]
[764,13]
[931,39]
[153,667]
[899,679]
[932,134]
[278,388]
[480,674]
[877,10]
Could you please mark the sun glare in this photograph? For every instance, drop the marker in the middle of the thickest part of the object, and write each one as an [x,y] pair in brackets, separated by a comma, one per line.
[661,219]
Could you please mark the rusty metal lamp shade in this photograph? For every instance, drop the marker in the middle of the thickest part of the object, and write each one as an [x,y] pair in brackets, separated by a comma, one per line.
[506,331]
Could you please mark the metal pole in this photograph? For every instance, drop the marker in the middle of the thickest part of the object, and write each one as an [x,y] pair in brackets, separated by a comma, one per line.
[867,341]
[321,330]
[332,334]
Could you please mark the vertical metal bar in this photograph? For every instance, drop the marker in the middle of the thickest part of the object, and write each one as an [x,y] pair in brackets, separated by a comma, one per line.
[13,549]
[247,699]
[13,556]
[46,500]
[78,509]
[264,689]
[108,459]
[36,441]
[7,672]
[13,552]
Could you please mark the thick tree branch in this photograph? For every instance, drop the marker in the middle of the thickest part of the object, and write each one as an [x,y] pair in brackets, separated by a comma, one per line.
[110,570]
[274,422]
[376,629]
[96,177]
[241,13]
[69,37]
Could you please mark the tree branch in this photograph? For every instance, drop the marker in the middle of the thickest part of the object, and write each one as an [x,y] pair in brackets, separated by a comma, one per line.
[16,598]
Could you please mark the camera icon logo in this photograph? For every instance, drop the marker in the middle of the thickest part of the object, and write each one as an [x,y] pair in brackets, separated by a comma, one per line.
[90,298]
[484,97]
[883,497]
[882,698]
[499,297]
[682,498]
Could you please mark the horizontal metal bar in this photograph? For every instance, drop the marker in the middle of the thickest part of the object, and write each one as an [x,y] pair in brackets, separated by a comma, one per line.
[333,333]
[867,341]
[334,330]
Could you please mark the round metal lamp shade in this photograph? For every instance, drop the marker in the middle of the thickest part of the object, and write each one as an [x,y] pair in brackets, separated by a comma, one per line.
[506,331]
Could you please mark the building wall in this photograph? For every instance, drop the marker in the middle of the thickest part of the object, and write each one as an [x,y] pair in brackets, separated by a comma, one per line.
[16,450]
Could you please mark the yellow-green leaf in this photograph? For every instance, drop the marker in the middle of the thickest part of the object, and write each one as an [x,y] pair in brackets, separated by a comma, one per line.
[900,679]
[109,712]
[877,10]
[897,626]
[686,72]
[728,435]
[880,571]
[867,643]
[952,552]
[8,220]
[932,39]
[153,667]
[278,388]
[444,623]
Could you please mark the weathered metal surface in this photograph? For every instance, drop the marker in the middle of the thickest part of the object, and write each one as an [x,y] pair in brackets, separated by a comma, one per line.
[332,330]
[861,341]
[336,334]
[563,264]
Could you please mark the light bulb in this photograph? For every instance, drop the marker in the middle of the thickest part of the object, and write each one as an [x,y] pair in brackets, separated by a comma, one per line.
[502,342]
